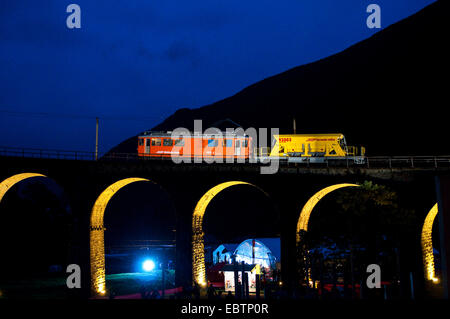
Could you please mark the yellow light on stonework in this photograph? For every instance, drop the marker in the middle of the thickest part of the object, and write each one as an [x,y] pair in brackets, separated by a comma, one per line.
[101,289]
[312,202]
[11,181]
[427,244]
[198,246]
[97,234]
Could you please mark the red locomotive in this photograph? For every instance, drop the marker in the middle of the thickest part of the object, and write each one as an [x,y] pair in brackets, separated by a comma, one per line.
[166,145]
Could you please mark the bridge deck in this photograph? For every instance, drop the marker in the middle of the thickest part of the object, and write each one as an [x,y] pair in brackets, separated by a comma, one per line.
[425,162]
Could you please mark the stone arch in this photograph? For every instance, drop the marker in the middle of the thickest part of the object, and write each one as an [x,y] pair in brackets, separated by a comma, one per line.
[302,224]
[13,180]
[198,246]
[427,244]
[10,182]
[97,234]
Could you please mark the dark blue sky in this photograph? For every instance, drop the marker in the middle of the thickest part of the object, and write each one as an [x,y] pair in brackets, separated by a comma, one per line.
[133,63]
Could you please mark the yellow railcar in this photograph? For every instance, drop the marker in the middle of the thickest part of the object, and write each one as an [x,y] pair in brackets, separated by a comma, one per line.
[314,145]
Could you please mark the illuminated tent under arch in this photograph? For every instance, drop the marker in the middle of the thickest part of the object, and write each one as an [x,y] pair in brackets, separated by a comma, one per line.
[259,253]
[224,253]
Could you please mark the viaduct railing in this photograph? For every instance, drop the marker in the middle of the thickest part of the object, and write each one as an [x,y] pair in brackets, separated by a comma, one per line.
[369,162]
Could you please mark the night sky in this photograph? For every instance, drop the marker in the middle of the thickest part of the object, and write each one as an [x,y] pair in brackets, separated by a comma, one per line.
[133,63]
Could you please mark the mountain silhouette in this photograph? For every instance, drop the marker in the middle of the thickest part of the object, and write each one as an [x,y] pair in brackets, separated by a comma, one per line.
[387,93]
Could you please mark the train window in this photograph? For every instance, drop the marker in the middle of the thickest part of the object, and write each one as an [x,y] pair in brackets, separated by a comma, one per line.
[167,142]
[238,143]
[227,143]
[147,142]
[244,143]
[342,143]
[212,143]
[141,141]
[156,142]
[179,142]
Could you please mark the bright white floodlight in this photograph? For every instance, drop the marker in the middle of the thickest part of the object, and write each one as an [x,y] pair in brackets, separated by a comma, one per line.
[148,265]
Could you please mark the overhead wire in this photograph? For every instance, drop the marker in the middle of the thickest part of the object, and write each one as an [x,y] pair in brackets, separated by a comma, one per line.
[79,116]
